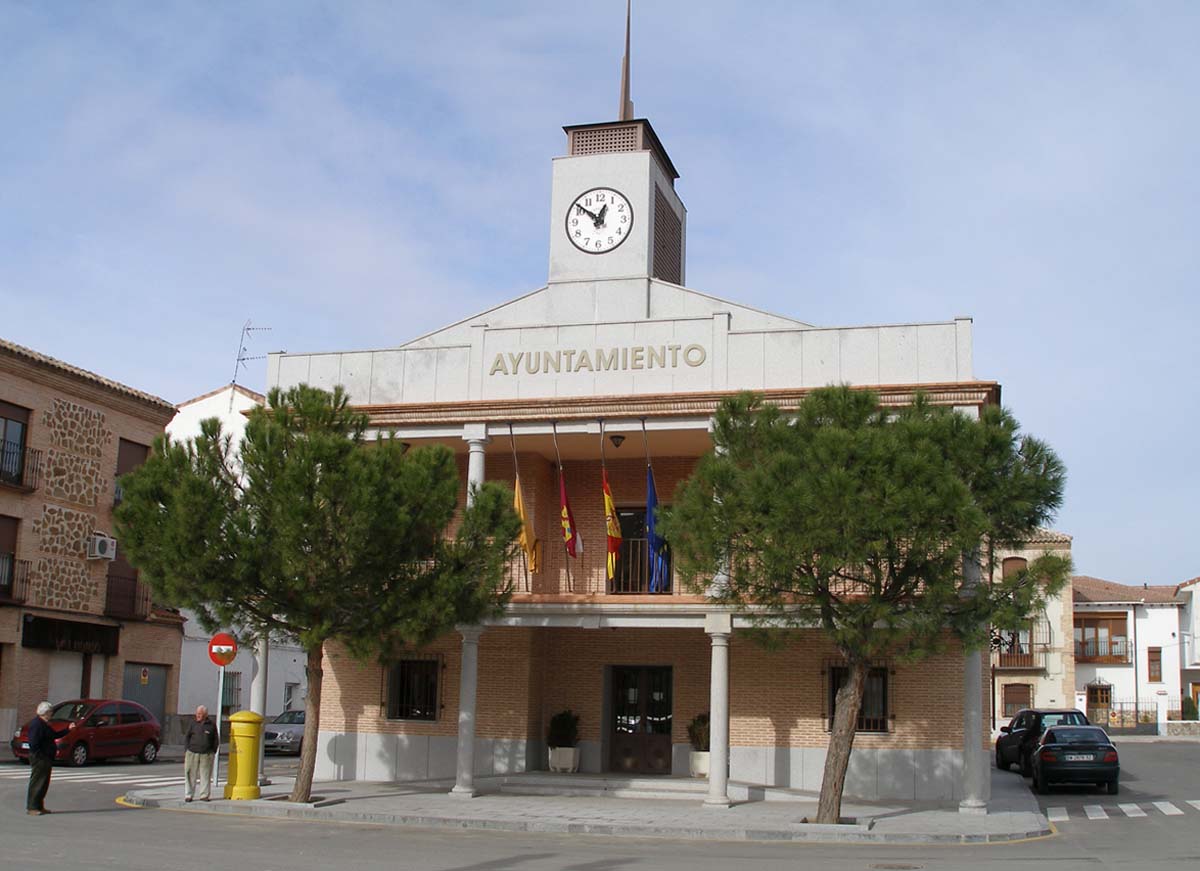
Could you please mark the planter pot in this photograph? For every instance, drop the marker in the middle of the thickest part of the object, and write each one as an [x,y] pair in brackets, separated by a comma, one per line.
[564,759]
[698,763]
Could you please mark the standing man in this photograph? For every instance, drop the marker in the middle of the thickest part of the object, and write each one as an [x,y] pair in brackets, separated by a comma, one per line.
[200,746]
[42,751]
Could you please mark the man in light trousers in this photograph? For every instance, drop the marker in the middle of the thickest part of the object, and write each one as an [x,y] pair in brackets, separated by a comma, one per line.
[200,748]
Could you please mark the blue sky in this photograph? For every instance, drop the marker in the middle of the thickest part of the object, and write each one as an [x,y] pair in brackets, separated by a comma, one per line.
[354,174]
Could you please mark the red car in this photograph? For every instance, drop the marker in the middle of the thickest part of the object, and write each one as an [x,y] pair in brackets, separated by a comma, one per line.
[104,728]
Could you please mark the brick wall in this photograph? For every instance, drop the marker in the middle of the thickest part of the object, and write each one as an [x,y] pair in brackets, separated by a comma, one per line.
[777,697]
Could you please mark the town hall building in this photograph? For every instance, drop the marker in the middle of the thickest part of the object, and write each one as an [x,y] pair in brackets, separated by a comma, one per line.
[615,353]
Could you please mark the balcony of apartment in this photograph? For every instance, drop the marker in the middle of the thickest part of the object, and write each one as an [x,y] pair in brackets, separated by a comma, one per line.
[1106,651]
[1024,649]
[20,467]
[127,598]
[14,579]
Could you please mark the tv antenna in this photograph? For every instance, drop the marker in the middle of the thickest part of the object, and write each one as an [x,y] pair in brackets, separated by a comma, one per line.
[242,356]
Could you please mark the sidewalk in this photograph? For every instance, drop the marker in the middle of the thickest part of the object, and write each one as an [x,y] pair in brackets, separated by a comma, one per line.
[1014,813]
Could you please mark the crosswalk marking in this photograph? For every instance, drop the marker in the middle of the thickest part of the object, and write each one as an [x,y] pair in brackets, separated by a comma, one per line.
[1095,812]
[1056,814]
[1132,810]
[1195,804]
[1169,809]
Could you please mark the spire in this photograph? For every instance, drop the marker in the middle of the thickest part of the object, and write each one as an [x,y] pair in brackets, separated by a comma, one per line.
[626,111]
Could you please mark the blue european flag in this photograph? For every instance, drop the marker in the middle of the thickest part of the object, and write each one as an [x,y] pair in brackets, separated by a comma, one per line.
[659,581]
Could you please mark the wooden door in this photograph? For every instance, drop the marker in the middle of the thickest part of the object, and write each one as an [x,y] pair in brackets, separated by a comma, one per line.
[640,730]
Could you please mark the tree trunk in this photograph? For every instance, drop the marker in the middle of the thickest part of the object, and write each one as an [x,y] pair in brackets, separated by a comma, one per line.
[312,722]
[841,741]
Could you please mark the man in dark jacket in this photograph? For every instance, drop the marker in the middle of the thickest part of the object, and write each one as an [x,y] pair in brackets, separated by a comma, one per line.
[42,751]
[200,747]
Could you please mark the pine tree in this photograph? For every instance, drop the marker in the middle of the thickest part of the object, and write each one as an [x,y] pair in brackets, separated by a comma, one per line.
[859,520]
[310,529]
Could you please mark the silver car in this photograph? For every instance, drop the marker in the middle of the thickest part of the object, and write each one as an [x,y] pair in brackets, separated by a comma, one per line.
[285,733]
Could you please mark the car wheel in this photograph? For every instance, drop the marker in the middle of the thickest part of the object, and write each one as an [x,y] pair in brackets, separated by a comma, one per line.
[149,753]
[1000,763]
[79,754]
[1113,787]
[1026,765]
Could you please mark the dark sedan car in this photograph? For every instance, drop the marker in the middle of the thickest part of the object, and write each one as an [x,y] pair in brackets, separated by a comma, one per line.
[1019,739]
[1076,754]
[104,728]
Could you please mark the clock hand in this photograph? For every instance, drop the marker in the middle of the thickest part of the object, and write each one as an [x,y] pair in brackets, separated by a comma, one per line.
[591,215]
[600,217]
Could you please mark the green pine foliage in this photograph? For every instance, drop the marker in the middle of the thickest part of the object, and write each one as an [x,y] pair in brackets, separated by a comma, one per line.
[858,520]
[318,533]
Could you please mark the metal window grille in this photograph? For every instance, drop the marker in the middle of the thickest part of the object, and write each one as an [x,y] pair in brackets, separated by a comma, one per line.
[412,689]
[290,692]
[875,714]
[231,698]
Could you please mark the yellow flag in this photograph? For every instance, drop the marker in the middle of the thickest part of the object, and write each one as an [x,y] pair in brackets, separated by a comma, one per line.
[526,539]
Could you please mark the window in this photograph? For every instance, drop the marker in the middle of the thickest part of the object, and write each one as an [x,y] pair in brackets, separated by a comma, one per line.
[105,715]
[291,695]
[412,689]
[14,423]
[1015,697]
[231,697]
[130,455]
[873,716]
[1099,696]
[8,550]
[635,569]
[1154,655]
[130,714]
[1012,565]
[1101,638]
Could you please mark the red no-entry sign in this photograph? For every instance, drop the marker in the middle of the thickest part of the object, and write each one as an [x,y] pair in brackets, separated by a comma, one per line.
[222,649]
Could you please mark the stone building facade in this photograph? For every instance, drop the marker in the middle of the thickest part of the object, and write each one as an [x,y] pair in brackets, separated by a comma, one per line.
[615,361]
[72,621]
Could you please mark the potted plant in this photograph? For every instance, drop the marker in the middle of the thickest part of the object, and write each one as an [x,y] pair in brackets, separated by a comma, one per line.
[698,735]
[562,737]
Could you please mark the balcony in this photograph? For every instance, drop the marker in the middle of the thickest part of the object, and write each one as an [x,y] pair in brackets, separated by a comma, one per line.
[1113,651]
[632,576]
[1023,650]
[14,579]
[20,467]
[127,598]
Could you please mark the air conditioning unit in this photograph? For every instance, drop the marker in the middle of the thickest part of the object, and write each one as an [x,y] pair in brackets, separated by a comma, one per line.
[101,546]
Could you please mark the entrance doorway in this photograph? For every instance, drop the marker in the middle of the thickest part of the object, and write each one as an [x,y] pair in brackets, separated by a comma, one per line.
[640,738]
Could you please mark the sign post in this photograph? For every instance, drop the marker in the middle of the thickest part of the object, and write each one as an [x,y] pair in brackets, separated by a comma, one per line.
[222,650]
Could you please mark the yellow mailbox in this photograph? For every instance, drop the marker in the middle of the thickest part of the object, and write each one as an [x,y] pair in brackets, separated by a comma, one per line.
[245,736]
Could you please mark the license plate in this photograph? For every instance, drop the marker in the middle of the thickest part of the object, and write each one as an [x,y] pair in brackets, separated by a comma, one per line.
[1075,757]
[24,745]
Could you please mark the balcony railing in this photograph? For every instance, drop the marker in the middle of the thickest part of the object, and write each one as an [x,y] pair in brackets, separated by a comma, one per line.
[1110,650]
[127,598]
[633,571]
[20,466]
[14,579]
[1026,649]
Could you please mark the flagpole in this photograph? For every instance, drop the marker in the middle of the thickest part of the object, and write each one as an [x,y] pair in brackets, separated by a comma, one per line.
[512,442]
[558,458]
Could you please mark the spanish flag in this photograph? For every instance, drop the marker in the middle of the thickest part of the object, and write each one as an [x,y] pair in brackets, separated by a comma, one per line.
[526,539]
[613,527]
[571,538]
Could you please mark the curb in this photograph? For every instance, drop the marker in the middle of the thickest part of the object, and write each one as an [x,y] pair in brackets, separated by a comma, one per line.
[855,834]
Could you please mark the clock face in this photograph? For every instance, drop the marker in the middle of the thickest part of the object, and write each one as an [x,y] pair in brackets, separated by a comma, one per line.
[599,220]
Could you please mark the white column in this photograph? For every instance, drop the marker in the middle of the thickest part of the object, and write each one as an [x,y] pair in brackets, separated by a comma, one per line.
[976,776]
[719,627]
[258,695]
[475,435]
[464,780]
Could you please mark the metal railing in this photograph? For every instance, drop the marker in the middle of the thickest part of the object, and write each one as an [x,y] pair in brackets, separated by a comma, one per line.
[20,466]
[126,598]
[1025,649]
[14,578]
[1102,650]
[633,571]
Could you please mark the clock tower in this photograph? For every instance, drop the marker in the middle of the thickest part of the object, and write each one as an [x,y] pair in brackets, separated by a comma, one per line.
[614,213]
